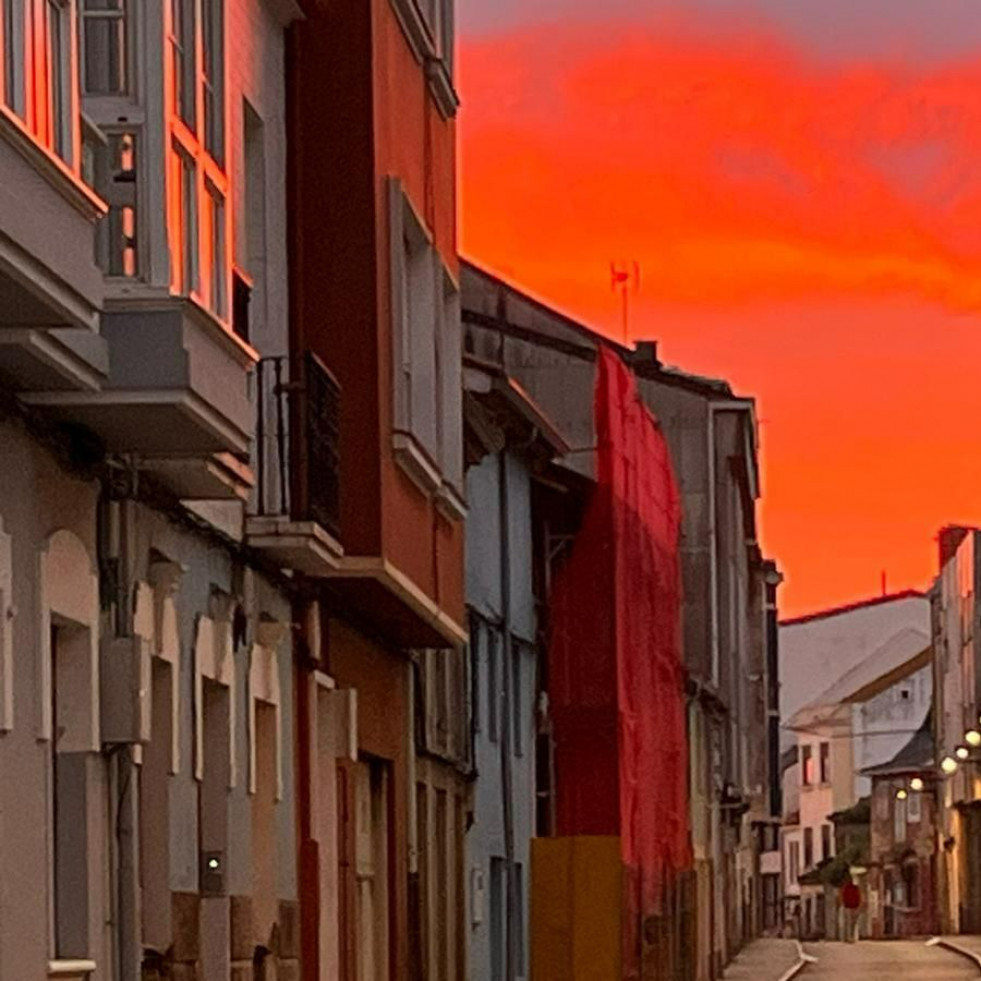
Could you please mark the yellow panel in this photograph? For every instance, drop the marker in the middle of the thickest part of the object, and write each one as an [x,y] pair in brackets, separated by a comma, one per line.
[576,921]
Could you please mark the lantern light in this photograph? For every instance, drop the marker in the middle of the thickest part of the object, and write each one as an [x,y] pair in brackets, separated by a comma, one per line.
[962,752]
[949,765]
[916,784]
[901,795]
[973,738]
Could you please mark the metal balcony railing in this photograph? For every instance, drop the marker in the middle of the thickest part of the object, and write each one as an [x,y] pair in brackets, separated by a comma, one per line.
[298,477]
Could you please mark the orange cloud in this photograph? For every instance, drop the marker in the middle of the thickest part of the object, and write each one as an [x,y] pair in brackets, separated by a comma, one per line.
[809,228]
[733,169]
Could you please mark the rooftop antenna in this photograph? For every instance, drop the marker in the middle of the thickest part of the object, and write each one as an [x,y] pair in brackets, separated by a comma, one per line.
[624,277]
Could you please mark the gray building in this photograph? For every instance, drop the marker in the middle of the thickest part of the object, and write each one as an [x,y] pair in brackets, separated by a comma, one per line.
[508,442]
[729,590]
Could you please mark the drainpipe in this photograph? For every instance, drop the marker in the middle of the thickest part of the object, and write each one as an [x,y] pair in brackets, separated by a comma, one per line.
[507,790]
[116,548]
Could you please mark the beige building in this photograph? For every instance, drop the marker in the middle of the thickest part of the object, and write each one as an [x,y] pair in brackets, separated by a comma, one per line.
[147,825]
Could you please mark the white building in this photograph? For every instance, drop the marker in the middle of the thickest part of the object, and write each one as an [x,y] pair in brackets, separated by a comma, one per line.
[862,720]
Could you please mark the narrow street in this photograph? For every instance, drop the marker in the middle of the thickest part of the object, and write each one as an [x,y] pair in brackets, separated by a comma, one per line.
[884,961]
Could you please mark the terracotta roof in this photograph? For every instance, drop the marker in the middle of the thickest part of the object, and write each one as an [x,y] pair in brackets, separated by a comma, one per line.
[850,607]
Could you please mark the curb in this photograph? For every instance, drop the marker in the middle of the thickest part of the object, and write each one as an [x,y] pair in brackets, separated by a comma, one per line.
[969,955]
[803,959]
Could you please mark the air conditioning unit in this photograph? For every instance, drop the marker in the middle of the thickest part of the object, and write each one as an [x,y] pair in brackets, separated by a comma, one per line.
[125,691]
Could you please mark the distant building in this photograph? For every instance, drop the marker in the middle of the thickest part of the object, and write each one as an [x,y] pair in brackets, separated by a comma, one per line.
[902,897]
[957,642]
[861,721]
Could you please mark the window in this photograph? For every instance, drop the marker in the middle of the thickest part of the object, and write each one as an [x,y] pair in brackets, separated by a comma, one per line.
[825,762]
[428,415]
[182,59]
[183,223]
[58,59]
[216,261]
[476,671]
[806,766]
[198,186]
[498,921]
[493,684]
[793,860]
[517,700]
[808,848]
[212,12]
[914,807]
[827,847]
[104,45]
[520,956]
[899,820]
[114,178]
[14,47]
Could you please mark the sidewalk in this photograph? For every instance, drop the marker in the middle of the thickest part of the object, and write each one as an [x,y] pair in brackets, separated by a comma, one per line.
[967,944]
[763,960]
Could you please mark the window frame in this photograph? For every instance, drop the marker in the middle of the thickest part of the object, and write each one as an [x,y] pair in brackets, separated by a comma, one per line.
[14,22]
[807,765]
[89,15]
[211,283]
[824,762]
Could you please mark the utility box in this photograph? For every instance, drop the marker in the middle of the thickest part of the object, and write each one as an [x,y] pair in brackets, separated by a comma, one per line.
[125,691]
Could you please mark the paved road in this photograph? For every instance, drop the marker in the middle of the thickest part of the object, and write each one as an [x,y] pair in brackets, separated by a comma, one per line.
[884,961]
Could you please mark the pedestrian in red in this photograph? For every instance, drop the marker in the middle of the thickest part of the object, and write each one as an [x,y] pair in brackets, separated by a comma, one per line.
[851,903]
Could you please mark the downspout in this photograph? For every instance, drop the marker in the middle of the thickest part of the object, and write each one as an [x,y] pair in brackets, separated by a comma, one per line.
[116,550]
[507,790]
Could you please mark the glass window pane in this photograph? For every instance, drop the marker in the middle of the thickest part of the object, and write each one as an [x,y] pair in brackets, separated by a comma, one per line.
[104,47]
[59,66]
[183,64]
[212,13]
[218,260]
[13,54]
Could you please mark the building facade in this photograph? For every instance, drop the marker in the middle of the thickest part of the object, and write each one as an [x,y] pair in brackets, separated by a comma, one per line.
[146,675]
[509,443]
[956,714]
[374,317]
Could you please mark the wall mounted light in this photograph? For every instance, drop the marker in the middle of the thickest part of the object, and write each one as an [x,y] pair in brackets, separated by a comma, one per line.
[901,795]
[962,752]
[949,765]
[973,738]
[916,784]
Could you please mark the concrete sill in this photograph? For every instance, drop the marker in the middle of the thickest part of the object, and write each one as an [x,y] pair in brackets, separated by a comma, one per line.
[75,970]
[414,460]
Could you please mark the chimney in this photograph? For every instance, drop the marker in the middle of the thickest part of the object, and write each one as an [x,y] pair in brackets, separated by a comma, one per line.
[950,540]
[645,353]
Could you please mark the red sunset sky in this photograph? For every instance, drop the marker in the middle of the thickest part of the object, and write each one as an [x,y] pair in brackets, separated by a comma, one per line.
[803,194]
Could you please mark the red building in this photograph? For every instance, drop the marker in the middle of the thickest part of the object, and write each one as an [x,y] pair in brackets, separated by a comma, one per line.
[374,327]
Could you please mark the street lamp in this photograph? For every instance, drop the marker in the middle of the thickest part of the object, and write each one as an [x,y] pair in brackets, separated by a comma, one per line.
[901,794]
[916,784]
[948,765]
[973,738]
[962,752]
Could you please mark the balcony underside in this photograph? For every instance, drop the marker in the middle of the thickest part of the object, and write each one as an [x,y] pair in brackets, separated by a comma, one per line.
[175,422]
[386,597]
[177,385]
[221,477]
[58,359]
[303,546]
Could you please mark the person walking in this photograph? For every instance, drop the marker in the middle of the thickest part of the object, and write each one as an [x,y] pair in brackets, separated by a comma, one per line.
[851,904]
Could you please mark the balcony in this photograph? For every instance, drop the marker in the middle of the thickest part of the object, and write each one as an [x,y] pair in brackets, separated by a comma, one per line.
[176,396]
[50,285]
[297,496]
